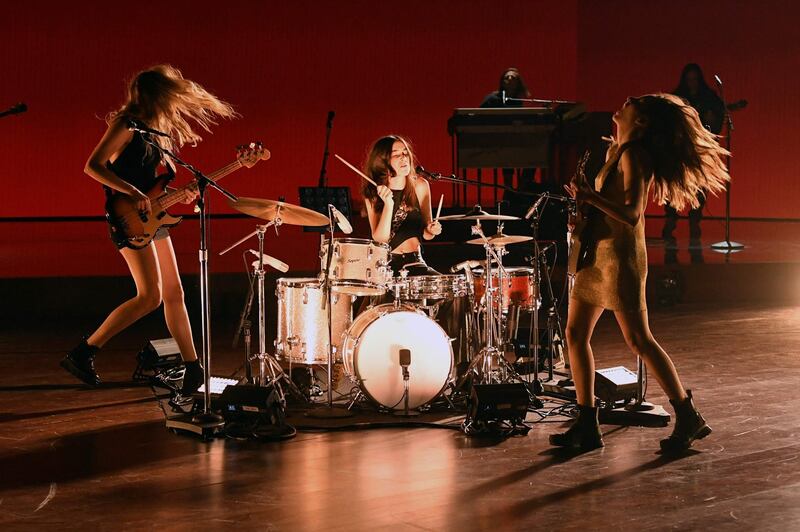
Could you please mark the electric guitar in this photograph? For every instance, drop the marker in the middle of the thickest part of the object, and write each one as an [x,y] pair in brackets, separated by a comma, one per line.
[583,215]
[139,228]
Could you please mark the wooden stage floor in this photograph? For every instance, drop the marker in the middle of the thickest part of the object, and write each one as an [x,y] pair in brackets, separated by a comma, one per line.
[75,458]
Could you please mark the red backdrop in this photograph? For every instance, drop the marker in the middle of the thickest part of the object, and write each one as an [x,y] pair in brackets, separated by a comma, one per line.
[383,67]
[630,48]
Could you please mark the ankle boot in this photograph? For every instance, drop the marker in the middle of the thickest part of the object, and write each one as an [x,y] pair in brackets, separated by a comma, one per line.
[80,362]
[689,426]
[584,434]
[193,377]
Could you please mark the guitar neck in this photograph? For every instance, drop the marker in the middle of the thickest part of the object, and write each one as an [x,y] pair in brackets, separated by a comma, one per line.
[171,198]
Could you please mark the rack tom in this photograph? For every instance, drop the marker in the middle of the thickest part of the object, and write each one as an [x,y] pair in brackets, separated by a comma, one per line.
[358,266]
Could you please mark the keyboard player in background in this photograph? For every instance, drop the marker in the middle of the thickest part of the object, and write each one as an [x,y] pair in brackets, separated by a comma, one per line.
[513,85]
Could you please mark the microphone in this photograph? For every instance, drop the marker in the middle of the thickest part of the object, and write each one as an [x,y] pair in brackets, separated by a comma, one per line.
[503,94]
[467,264]
[331,114]
[535,206]
[341,220]
[434,176]
[405,361]
[270,261]
[16,109]
[135,125]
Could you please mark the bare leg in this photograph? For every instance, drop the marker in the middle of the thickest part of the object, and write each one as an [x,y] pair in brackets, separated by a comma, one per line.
[636,330]
[175,313]
[581,320]
[144,269]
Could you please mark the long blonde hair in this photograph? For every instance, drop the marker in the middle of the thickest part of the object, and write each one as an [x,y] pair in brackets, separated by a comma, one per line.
[163,99]
[687,158]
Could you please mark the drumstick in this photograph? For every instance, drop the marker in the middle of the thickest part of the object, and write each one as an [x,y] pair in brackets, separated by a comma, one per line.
[439,210]
[356,170]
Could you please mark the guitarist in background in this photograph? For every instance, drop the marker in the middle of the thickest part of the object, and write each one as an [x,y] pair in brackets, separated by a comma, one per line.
[693,88]
[661,145]
[124,163]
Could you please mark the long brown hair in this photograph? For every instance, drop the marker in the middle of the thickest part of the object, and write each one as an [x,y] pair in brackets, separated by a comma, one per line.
[379,168]
[687,159]
[163,99]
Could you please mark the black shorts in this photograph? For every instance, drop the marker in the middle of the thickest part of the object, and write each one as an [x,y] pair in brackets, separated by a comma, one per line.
[121,241]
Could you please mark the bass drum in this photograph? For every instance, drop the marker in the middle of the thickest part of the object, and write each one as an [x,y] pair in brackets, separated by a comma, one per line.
[371,355]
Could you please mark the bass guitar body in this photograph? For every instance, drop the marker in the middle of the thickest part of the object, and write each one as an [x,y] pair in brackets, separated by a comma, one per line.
[137,227]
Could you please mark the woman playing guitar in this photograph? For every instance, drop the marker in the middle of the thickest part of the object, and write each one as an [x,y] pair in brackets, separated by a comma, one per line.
[160,98]
[661,145]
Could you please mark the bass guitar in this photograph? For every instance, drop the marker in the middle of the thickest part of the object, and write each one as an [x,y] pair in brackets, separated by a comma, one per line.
[139,228]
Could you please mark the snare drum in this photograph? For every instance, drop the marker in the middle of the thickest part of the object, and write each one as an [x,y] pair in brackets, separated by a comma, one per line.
[519,288]
[371,352]
[432,287]
[359,267]
[303,322]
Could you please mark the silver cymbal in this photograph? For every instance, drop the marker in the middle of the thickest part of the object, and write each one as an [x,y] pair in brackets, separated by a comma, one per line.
[478,214]
[501,240]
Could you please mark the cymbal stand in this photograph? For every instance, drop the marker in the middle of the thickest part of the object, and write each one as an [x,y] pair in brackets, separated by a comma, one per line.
[269,369]
[330,411]
[481,364]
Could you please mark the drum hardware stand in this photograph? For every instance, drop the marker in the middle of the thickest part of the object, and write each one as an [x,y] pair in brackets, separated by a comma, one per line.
[330,411]
[481,363]
[206,422]
[269,370]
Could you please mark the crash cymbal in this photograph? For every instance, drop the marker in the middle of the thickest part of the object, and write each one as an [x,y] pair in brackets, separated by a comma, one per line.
[501,240]
[270,210]
[478,214]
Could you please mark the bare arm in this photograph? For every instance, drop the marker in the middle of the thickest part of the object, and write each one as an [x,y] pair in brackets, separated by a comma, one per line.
[381,224]
[423,190]
[636,176]
[114,141]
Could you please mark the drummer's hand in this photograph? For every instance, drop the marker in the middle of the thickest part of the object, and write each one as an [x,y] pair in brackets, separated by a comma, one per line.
[385,193]
[434,228]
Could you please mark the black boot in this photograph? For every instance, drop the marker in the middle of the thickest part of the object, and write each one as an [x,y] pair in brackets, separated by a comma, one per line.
[689,426]
[193,377]
[584,434]
[80,362]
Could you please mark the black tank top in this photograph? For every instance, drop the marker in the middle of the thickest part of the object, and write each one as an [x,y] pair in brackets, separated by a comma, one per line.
[137,164]
[407,221]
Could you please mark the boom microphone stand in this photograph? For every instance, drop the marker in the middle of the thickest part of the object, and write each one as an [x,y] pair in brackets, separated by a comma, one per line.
[726,246]
[206,422]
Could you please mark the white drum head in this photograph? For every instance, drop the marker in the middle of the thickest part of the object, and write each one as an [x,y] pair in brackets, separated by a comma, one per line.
[375,356]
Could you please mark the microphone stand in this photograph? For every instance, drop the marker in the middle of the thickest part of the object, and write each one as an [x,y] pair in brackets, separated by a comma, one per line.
[206,422]
[727,246]
[452,178]
[548,104]
[322,177]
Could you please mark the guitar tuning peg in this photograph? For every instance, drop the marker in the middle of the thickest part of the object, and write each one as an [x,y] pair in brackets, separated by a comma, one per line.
[252,145]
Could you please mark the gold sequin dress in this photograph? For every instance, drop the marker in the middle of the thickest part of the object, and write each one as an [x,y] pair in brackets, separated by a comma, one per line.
[614,276]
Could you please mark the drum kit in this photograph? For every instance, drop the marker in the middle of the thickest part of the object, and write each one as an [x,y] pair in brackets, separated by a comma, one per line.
[394,352]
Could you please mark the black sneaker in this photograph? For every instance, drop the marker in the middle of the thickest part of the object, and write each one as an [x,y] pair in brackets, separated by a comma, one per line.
[193,377]
[80,362]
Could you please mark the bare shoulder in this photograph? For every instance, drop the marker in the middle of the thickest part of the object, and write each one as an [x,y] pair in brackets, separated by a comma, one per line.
[636,156]
[421,185]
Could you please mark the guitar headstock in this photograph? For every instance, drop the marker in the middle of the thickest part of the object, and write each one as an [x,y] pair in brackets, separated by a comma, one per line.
[580,171]
[249,155]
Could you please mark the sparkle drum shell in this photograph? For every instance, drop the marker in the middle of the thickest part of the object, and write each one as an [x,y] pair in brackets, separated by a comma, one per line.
[371,351]
[303,323]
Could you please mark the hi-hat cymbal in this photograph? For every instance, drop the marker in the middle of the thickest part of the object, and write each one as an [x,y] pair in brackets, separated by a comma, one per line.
[270,210]
[501,240]
[478,214]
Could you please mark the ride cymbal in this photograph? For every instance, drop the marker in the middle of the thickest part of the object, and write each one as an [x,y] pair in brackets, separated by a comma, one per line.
[270,210]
